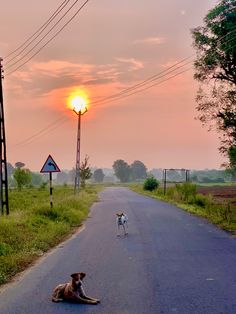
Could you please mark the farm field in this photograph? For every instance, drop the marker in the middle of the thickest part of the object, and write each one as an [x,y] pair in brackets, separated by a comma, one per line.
[221,194]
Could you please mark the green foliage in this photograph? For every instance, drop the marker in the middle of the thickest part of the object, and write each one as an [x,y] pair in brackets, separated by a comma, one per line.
[36,179]
[215,67]
[122,170]
[201,200]
[186,197]
[98,175]
[33,227]
[22,177]
[150,184]
[138,170]
[85,171]
[187,191]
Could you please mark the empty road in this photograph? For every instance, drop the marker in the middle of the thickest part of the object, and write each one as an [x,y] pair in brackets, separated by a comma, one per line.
[170,262]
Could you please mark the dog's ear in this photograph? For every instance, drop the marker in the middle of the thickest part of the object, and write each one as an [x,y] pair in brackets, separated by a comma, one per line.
[82,275]
[75,276]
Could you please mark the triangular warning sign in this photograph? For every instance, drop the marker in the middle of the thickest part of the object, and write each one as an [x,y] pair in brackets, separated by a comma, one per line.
[50,165]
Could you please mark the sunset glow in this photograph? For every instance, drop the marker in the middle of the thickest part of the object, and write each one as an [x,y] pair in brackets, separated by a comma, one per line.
[78,101]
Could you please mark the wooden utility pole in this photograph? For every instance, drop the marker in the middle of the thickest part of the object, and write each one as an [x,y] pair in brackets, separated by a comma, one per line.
[3,164]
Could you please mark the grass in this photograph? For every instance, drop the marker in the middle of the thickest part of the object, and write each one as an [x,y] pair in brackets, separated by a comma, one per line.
[185,197]
[33,227]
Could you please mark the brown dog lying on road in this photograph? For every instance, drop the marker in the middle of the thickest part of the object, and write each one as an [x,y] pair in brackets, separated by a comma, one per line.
[73,291]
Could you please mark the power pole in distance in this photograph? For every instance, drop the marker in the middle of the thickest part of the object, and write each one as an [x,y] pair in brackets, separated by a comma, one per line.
[3,164]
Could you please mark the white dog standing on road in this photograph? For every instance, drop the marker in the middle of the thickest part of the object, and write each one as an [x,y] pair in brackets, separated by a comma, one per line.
[122,220]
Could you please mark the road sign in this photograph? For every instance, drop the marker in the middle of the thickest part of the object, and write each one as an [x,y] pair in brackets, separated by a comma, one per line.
[50,166]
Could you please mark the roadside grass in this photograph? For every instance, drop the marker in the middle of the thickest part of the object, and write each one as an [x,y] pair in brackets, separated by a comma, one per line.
[186,197]
[32,227]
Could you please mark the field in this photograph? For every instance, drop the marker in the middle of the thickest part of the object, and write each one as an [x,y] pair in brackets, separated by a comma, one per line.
[221,194]
[32,227]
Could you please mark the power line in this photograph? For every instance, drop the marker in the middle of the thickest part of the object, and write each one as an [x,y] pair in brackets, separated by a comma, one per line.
[40,40]
[39,30]
[129,92]
[51,127]
[55,35]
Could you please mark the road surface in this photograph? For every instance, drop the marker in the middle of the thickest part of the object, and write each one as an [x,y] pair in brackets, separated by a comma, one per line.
[170,262]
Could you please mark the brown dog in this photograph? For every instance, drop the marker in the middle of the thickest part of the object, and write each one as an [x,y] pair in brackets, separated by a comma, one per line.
[73,291]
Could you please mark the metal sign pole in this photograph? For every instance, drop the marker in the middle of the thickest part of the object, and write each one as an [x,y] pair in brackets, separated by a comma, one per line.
[50,182]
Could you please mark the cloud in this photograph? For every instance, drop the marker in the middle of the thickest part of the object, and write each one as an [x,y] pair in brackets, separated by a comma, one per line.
[41,78]
[133,64]
[151,41]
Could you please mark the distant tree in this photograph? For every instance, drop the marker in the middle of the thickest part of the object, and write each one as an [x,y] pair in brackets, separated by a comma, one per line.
[138,170]
[98,175]
[36,179]
[10,169]
[62,177]
[85,171]
[71,176]
[122,170]
[19,164]
[215,69]
[22,177]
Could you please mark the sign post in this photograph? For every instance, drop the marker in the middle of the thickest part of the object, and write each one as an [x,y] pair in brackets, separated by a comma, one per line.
[49,167]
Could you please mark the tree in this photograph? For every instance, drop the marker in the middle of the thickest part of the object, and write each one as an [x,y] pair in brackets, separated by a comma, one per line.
[36,179]
[22,177]
[98,175]
[232,162]
[215,67]
[138,170]
[19,164]
[85,171]
[62,177]
[10,169]
[122,170]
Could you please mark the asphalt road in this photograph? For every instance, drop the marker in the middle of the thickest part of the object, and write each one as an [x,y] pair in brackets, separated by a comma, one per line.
[170,262]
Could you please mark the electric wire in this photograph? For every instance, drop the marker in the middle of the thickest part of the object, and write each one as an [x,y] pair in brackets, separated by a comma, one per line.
[40,40]
[55,35]
[129,93]
[39,30]
[44,131]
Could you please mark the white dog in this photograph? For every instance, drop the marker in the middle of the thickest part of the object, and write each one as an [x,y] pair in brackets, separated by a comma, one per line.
[122,220]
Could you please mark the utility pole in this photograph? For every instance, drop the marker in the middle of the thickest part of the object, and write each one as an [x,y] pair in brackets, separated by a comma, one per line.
[3,164]
[77,164]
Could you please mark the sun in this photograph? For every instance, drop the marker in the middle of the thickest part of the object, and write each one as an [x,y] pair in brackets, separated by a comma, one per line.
[78,101]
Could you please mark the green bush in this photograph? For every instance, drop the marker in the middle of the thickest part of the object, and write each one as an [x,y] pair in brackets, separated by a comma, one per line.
[187,191]
[201,200]
[150,184]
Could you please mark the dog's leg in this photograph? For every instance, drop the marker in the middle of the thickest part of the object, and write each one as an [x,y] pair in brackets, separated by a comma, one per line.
[89,298]
[57,294]
[118,235]
[123,225]
[81,299]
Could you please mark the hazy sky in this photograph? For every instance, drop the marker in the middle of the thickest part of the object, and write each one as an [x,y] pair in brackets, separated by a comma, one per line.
[110,46]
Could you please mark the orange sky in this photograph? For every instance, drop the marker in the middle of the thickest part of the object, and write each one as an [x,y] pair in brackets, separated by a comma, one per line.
[110,46]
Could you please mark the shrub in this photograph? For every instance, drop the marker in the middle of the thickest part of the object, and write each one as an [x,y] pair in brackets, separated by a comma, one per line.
[201,200]
[187,191]
[150,184]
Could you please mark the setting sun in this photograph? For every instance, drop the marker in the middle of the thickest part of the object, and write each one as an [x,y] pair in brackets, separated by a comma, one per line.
[78,101]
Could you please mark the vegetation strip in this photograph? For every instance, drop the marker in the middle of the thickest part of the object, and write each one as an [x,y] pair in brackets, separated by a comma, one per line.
[185,196]
[32,227]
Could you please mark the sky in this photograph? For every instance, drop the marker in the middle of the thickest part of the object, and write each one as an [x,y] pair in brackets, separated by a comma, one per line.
[108,47]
